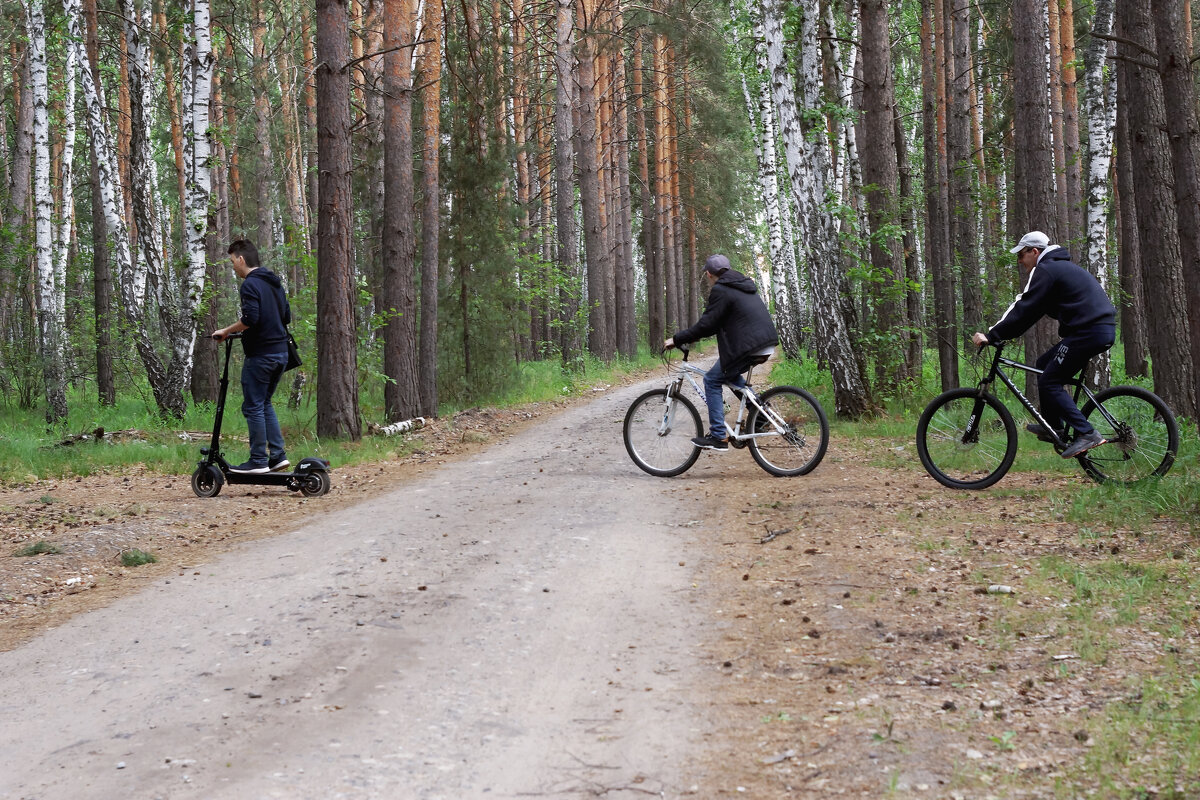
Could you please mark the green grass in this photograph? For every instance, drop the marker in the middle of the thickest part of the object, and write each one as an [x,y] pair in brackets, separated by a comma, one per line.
[31,451]
[136,558]
[37,549]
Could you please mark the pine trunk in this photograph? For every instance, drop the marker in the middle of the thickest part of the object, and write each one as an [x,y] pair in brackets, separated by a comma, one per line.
[337,339]
[937,247]
[564,136]
[1131,300]
[431,98]
[1174,62]
[401,363]
[1154,191]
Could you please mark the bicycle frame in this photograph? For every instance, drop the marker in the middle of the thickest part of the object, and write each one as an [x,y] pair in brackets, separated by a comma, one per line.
[996,372]
[746,396]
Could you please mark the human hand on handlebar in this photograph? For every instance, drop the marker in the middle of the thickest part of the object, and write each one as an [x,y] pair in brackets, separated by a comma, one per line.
[669,343]
[980,339]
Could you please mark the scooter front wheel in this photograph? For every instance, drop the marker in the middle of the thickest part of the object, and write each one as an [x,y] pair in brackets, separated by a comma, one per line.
[207,480]
[315,484]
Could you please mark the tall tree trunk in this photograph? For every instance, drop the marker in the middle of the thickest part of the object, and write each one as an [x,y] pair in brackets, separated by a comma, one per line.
[1035,206]
[106,387]
[400,345]
[655,324]
[962,175]
[937,244]
[1070,89]
[1174,62]
[599,263]
[626,309]
[265,182]
[1158,214]
[564,136]
[1131,301]
[808,169]
[1054,21]
[206,351]
[337,340]
[50,333]
[431,99]
[881,176]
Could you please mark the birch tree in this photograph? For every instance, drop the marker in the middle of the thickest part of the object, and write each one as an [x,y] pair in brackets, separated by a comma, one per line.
[50,333]
[1101,123]
[809,171]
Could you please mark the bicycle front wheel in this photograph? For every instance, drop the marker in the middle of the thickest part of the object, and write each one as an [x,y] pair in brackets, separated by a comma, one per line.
[966,440]
[791,432]
[1142,434]
[658,433]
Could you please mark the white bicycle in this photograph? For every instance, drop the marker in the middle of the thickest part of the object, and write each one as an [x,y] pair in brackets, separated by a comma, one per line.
[784,427]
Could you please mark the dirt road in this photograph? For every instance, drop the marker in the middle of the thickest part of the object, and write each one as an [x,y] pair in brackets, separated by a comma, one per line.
[520,624]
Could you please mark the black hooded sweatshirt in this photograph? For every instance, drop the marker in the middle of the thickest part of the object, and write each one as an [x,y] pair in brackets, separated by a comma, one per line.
[739,318]
[265,313]
[1062,290]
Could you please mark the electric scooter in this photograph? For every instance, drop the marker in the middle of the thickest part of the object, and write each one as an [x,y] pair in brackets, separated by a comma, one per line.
[310,477]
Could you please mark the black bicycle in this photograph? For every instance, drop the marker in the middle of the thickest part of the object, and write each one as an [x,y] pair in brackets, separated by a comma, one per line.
[967,439]
[784,427]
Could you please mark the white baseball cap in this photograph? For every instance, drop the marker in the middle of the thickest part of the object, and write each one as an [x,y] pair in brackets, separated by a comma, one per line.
[1032,239]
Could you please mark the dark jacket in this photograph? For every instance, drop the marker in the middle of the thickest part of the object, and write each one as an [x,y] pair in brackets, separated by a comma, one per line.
[265,312]
[739,318]
[1060,289]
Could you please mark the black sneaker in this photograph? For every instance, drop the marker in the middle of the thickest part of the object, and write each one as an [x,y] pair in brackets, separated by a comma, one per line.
[277,464]
[1083,443]
[1042,434]
[250,468]
[711,442]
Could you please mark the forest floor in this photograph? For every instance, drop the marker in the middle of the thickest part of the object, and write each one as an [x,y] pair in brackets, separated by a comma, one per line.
[852,646]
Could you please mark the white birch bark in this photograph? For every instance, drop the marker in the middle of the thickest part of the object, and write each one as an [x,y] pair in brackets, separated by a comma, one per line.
[112,197]
[197,154]
[143,183]
[50,342]
[808,164]
[62,247]
[1101,121]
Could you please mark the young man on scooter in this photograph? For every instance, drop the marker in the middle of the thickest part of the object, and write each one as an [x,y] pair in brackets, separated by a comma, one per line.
[264,316]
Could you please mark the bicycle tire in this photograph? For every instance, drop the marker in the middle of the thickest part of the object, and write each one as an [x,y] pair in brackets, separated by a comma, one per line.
[801,448]
[957,460]
[659,438]
[1144,442]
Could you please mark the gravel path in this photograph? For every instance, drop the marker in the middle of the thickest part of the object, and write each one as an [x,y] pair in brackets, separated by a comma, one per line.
[524,624]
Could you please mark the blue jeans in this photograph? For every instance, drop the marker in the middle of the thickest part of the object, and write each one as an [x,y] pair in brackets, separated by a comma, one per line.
[260,376]
[714,379]
[1059,364]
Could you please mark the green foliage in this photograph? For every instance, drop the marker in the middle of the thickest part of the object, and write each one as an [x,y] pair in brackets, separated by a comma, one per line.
[38,548]
[136,558]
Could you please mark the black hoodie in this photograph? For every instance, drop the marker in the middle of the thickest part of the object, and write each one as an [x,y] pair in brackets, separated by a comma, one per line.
[739,318]
[265,313]
[1062,290]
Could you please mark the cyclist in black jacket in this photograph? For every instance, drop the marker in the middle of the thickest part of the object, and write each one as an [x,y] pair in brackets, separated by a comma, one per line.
[1060,289]
[743,326]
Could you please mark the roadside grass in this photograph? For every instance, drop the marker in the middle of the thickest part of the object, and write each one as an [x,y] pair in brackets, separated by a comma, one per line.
[38,548]
[30,450]
[136,558]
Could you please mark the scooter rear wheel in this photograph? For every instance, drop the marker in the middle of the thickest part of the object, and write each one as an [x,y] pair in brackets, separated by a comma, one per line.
[207,480]
[315,484]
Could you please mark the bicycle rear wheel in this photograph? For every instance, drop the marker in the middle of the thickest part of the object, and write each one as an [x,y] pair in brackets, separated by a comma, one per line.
[658,433]
[1142,442]
[966,440]
[801,446]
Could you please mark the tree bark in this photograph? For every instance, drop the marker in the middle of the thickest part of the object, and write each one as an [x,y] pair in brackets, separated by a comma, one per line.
[1158,215]
[808,169]
[50,333]
[937,246]
[961,166]
[881,177]
[1131,302]
[431,98]
[1174,62]
[337,340]
[400,343]
[564,135]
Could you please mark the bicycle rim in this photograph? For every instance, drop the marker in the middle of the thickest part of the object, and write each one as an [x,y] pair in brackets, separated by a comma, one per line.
[963,460]
[1141,444]
[658,435]
[801,446]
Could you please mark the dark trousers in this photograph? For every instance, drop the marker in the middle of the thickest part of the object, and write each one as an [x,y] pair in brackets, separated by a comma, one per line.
[260,376]
[1059,364]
